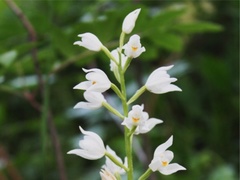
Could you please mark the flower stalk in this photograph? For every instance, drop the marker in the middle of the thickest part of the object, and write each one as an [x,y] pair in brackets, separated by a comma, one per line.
[146,174]
[117,91]
[136,121]
[108,53]
[112,109]
[136,95]
[113,159]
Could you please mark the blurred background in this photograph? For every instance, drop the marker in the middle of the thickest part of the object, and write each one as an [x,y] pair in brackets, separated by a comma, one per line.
[39,67]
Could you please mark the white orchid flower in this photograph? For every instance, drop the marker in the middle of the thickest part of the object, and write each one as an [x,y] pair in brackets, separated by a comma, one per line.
[115,54]
[94,100]
[137,117]
[89,41]
[113,65]
[147,125]
[159,81]
[91,146]
[107,175]
[133,48]
[97,81]
[162,158]
[129,21]
[111,166]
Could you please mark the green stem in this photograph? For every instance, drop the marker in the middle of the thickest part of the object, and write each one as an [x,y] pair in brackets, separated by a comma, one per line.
[122,36]
[127,64]
[113,110]
[137,94]
[108,53]
[132,131]
[117,91]
[146,174]
[127,138]
[113,159]
[128,144]
[117,175]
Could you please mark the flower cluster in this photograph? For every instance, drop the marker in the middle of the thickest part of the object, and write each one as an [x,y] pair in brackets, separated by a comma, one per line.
[136,121]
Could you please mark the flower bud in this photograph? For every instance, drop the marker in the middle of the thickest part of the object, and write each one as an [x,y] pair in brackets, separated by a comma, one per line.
[89,41]
[129,21]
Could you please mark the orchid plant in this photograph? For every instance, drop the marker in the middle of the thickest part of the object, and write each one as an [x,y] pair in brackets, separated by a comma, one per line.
[136,121]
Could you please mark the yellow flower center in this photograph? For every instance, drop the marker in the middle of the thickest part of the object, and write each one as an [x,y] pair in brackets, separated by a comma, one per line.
[135,119]
[94,82]
[164,163]
[134,48]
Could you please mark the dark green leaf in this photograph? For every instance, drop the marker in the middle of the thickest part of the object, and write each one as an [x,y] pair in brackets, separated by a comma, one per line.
[198,27]
[168,41]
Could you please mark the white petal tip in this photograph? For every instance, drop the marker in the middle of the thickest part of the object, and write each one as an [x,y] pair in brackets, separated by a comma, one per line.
[84,69]
[178,89]
[76,106]
[76,43]
[81,129]
[70,152]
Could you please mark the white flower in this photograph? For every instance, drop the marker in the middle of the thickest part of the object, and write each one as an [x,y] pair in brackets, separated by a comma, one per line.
[129,21]
[95,100]
[147,125]
[107,175]
[137,117]
[162,157]
[133,47]
[97,81]
[111,166]
[89,41]
[113,66]
[159,81]
[91,146]
[115,54]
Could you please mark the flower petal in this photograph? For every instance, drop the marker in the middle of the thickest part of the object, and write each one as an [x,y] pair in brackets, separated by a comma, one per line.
[87,105]
[133,47]
[153,122]
[89,41]
[159,72]
[168,155]
[163,88]
[155,164]
[129,21]
[94,97]
[83,85]
[85,154]
[93,135]
[148,125]
[127,122]
[171,168]
[97,80]
[161,148]
[168,88]
[159,81]
[113,168]
[106,174]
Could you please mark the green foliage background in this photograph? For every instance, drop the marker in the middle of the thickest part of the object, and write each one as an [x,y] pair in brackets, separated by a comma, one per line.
[201,38]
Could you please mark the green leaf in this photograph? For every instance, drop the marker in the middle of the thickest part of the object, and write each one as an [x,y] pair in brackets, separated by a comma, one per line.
[198,27]
[166,16]
[61,41]
[168,41]
[7,58]
[223,172]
